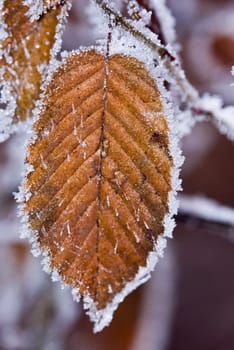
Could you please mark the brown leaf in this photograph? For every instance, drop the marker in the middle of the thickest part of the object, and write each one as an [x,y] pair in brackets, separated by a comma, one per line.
[26,53]
[99,189]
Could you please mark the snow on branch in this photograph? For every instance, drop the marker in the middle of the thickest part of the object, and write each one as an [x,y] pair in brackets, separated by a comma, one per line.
[211,107]
[157,17]
[166,19]
[206,209]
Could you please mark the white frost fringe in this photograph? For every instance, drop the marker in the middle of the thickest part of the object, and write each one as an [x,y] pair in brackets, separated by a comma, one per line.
[36,8]
[6,94]
[3,32]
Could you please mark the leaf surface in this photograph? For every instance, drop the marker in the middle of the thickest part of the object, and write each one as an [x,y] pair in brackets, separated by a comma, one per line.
[25,54]
[102,174]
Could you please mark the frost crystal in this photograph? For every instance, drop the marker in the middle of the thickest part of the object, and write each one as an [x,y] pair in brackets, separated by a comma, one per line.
[6,94]
[207,209]
[35,9]
[7,109]
[222,117]
[167,21]
[3,31]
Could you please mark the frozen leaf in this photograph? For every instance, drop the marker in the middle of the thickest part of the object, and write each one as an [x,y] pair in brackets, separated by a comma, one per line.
[24,57]
[98,197]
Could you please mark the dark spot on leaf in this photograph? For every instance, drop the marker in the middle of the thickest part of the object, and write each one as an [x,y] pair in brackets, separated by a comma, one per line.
[149,235]
[157,138]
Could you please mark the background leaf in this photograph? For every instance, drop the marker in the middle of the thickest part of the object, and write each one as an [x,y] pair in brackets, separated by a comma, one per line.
[25,54]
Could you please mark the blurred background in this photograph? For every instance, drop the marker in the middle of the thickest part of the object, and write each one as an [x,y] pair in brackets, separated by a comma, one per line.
[189,302]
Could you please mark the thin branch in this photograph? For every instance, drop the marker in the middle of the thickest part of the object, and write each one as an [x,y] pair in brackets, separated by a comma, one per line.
[160,50]
[216,229]
[205,214]
[211,108]
[134,10]
[206,209]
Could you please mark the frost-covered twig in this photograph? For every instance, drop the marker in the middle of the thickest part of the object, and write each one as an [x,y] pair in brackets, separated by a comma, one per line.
[206,209]
[211,108]
[157,16]
[128,25]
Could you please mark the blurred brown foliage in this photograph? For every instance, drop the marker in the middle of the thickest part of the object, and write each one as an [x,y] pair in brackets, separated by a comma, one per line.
[34,314]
